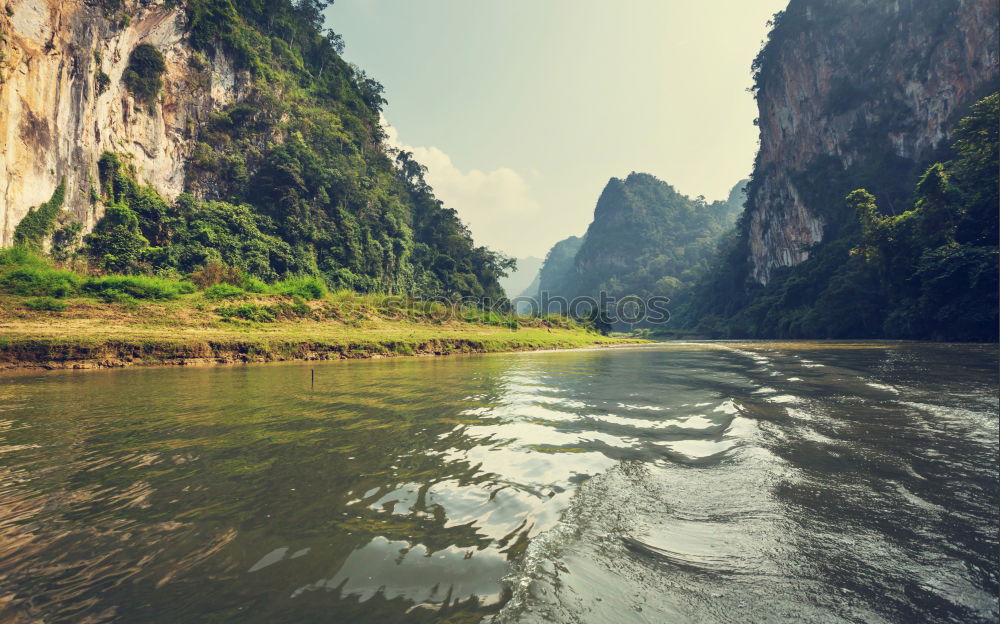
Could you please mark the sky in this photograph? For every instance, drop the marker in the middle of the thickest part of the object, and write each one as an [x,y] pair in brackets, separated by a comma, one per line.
[522,110]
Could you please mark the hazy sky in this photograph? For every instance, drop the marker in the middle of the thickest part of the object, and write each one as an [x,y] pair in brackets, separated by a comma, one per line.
[523,109]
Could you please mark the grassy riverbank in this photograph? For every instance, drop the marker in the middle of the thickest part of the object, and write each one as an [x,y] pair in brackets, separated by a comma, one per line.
[189,331]
[55,318]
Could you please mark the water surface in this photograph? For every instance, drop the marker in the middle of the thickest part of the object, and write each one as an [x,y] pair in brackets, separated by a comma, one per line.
[683,483]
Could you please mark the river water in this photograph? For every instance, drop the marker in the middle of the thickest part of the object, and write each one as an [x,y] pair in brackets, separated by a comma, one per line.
[755,482]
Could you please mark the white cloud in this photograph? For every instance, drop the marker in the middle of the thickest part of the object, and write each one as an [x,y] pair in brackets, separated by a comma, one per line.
[496,205]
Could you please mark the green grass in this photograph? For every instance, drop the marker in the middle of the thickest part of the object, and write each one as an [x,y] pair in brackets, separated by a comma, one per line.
[25,272]
[306,287]
[224,291]
[45,304]
[254,285]
[32,280]
[21,256]
[138,287]
[248,312]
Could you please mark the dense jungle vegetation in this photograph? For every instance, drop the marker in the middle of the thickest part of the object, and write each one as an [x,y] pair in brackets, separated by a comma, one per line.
[646,239]
[927,272]
[294,179]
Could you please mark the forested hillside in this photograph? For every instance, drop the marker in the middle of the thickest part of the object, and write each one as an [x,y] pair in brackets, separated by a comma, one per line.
[292,177]
[646,239]
[879,93]
[556,273]
[929,272]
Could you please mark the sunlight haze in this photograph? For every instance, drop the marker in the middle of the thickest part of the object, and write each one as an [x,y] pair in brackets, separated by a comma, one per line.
[522,110]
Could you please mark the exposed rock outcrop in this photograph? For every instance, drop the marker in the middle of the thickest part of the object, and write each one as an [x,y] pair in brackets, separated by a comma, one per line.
[857,86]
[56,118]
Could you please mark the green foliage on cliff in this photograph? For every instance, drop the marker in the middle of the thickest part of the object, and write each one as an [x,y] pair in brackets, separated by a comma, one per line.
[41,221]
[140,232]
[255,32]
[936,264]
[144,74]
[101,81]
[294,177]
[928,272]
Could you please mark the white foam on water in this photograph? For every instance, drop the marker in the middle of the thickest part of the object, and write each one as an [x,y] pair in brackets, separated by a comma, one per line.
[644,408]
[786,399]
[979,425]
[727,407]
[882,386]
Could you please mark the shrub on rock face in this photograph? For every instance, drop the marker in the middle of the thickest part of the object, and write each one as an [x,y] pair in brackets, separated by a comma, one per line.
[144,75]
[39,222]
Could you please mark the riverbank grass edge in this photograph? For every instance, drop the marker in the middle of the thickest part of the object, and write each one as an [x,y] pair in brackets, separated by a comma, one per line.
[83,333]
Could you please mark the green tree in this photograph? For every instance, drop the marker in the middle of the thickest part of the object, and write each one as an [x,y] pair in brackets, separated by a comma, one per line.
[974,171]
[938,206]
[116,242]
[874,226]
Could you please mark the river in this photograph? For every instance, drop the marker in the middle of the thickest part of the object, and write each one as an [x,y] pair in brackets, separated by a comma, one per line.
[680,482]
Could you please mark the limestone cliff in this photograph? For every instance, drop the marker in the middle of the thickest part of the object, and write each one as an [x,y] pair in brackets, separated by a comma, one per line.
[56,118]
[861,91]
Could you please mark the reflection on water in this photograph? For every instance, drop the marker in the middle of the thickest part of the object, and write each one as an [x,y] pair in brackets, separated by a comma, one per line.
[771,481]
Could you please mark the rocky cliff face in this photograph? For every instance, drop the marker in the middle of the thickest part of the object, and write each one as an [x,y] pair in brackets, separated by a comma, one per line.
[856,89]
[56,120]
